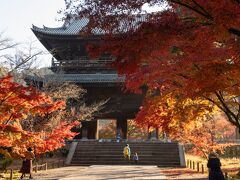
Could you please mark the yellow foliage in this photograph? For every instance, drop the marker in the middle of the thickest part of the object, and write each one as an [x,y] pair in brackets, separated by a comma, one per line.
[5,153]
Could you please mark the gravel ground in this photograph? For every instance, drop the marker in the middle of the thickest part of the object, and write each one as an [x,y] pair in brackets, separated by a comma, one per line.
[183,173]
[117,173]
[101,173]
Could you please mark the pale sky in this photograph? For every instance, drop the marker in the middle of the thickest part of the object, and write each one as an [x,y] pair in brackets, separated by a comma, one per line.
[17,17]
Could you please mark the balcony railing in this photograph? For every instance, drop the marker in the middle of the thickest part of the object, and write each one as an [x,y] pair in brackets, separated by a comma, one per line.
[85,78]
[83,63]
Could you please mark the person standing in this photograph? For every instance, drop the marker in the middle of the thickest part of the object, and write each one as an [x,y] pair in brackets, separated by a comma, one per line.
[214,165]
[127,152]
[118,137]
[135,158]
[27,164]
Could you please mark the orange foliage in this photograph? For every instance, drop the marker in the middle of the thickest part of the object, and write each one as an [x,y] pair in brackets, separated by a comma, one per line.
[203,136]
[187,121]
[18,103]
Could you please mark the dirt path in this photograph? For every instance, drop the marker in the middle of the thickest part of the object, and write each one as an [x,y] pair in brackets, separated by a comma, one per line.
[114,172]
[102,173]
[183,173]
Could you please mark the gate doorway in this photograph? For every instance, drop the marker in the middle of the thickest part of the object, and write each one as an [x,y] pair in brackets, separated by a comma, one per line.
[107,129]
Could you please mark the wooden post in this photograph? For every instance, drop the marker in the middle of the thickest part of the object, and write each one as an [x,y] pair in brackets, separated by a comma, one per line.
[198,167]
[11,174]
[122,126]
[190,164]
[193,165]
[157,133]
[46,166]
[36,168]
[226,176]
[202,169]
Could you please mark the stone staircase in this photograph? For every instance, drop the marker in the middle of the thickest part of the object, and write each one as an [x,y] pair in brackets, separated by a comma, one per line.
[111,153]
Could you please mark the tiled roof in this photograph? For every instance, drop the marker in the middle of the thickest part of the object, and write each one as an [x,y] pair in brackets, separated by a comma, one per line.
[81,78]
[73,27]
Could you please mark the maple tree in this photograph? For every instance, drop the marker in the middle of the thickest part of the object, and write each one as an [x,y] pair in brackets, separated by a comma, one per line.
[20,103]
[188,50]
[189,122]
[204,135]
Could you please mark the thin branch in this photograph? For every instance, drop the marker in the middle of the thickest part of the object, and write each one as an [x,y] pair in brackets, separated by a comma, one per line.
[24,61]
[215,103]
[223,109]
[8,47]
[238,111]
[6,98]
[222,101]
[234,31]
[10,117]
[192,8]
[198,5]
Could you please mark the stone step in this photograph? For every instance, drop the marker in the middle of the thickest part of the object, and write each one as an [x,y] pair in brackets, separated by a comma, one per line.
[100,153]
[159,160]
[143,154]
[122,145]
[173,164]
[127,142]
[132,147]
[132,150]
[121,157]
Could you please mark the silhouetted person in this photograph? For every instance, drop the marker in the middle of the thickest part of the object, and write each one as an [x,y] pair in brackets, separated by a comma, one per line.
[214,165]
[27,164]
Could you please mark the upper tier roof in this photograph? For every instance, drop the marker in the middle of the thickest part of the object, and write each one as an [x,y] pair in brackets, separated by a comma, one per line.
[71,28]
[74,27]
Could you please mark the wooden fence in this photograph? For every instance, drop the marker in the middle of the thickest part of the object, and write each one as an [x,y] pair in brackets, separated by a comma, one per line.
[45,166]
[199,167]
[202,168]
[227,177]
[49,165]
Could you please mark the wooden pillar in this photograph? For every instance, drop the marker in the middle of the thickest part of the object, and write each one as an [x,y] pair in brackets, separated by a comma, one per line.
[157,133]
[78,130]
[237,133]
[118,133]
[84,130]
[97,132]
[149,133]
[92,129]
[122,126]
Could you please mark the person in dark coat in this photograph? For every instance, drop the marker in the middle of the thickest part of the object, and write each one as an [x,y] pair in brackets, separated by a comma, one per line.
[214,165]
[27,164]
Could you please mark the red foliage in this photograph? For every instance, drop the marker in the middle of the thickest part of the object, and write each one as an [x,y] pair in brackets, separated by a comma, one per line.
[18,103]
[189,50]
